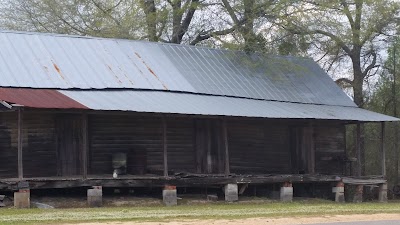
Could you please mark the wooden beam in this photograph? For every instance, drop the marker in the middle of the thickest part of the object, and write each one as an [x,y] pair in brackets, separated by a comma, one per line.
[358,149]
[209,156]
[20,159]
[183,180]
[344,172]
[311,168]
[85,145]
[226,146]
[220,147]
[165,145]
[383,153]
[196,144]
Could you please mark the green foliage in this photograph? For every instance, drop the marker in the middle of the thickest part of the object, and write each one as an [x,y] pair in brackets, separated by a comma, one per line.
[154,20]
[345,31]
[384,99]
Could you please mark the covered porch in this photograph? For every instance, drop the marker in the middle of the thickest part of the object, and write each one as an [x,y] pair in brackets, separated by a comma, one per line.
[65,149]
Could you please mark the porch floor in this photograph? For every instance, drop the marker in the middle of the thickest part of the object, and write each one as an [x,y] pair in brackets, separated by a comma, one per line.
[181,180]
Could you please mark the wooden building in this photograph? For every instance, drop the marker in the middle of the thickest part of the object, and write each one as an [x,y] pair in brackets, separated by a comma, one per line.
[73,108]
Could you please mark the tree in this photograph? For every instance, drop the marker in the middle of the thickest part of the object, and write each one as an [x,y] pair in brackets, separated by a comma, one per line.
[345,29]
[253,27]
[91,17]
[385,99]
[172,21]
[346,32]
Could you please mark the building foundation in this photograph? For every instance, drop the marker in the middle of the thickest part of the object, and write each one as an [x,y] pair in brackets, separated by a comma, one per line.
[383,193]
[95,196]
[231,193]
[22,199]
[170,197]
[339,192]
[286,193]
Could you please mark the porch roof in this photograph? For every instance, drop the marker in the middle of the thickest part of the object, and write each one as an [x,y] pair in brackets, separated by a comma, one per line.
[182,103]
[194,104]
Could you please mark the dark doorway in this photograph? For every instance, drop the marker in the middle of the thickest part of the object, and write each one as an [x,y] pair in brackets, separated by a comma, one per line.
[69,144]
[303,150]
[209,146]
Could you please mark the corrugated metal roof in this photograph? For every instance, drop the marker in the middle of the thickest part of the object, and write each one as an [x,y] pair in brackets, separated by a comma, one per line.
[63,62]
[183,103]
[38,98]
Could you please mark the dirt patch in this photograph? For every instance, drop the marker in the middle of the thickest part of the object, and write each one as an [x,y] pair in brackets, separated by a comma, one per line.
[269,221]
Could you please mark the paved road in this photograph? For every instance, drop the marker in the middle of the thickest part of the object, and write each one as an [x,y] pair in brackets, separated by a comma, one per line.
[383,222]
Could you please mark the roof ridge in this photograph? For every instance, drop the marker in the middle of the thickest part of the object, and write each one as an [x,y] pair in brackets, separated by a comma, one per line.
[144,41]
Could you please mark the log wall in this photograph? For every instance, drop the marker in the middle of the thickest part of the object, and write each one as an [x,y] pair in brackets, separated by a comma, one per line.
[255,146]
[39,145]
[329,149]
[132,135]
[258,147]
[141,139]
[38,141]
[8,145]
[180,144]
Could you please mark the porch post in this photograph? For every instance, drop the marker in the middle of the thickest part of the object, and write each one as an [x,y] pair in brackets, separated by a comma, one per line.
[85,145]
[358,149]
[311,159]
[20,160]
[225,137]
[383,187]
[383,153]
[164,143]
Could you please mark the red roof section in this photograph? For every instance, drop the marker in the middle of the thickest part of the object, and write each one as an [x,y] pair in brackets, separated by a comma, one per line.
[39,98]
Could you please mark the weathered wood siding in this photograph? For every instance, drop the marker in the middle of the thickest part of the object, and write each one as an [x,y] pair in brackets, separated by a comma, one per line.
[180,144]
[329,149]
[8,145]
[69,144]
[210,154]
[258,147]
[110,134]
[255,146]
[39,145]
[132,134]
[38,141]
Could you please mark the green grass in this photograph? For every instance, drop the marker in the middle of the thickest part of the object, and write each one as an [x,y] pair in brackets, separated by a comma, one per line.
[212,211]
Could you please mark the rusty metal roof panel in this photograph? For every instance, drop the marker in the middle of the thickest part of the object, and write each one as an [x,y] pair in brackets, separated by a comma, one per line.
[48,61]
[38,98]
[193,104]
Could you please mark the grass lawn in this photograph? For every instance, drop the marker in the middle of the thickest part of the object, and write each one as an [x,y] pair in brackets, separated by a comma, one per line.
[209,211]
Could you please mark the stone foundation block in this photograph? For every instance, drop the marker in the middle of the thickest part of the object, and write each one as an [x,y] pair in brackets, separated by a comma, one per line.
[22,199]
[231,192]
[170,197]
[286,194]
[339,192]
[95,197]
[383,193]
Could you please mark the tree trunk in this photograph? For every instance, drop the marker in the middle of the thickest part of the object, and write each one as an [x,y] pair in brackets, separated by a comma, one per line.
[358,79]
[250,39]
[176,21]
[358,95]
[150,11]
